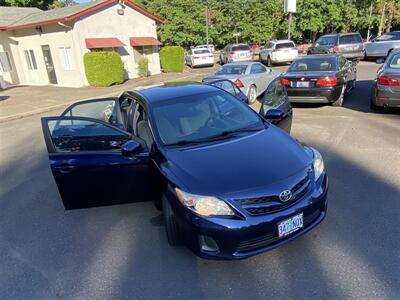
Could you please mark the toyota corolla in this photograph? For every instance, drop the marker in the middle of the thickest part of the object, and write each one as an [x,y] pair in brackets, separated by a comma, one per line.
[187,149]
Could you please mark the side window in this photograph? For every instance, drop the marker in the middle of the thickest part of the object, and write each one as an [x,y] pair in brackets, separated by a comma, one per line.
[84,135]
[257,68]
[274,95]
[101,109]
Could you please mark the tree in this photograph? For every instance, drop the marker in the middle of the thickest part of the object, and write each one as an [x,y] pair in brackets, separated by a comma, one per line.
[42,4]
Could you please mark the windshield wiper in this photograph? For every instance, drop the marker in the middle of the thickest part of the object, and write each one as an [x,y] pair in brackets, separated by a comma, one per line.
[220,136]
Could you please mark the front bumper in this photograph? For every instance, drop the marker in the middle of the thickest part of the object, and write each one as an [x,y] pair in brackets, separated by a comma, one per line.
[242,238]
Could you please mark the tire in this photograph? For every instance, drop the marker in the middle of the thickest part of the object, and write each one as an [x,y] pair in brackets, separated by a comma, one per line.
[269,62]
[339,102]
[252,94]
[373,106]
[171,226]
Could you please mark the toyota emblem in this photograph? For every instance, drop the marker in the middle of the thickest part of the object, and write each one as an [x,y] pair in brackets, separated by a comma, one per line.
[285,196]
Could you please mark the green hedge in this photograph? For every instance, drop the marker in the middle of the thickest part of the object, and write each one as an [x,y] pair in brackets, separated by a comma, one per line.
[103,68]
[172,58]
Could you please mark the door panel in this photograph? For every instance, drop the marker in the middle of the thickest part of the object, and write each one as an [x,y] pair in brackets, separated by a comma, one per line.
[51,72]
[106,109]
[88,166]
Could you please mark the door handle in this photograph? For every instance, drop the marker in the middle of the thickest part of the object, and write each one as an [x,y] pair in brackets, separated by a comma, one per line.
[64,168]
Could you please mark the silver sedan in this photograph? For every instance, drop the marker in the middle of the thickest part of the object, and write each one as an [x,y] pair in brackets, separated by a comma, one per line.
[251,77]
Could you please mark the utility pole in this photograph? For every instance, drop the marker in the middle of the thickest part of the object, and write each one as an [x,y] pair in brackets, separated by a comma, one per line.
[207,22]
[290,24]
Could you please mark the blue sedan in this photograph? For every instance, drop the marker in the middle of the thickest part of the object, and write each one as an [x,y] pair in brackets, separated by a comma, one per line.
[187,148]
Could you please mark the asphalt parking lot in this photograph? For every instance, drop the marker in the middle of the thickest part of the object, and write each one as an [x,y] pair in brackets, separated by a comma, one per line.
[121,252]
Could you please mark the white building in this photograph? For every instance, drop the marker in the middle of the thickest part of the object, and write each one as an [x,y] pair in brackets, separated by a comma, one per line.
[47,47]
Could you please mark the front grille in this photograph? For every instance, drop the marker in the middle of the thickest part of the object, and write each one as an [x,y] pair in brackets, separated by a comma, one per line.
[267,204]
[272,237]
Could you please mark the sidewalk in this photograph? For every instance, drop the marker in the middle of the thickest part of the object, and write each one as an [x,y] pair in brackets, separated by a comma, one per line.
[23,101]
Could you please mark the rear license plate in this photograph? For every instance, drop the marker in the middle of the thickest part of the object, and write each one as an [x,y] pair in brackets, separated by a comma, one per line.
[301,84]
[242,54]
[291,225]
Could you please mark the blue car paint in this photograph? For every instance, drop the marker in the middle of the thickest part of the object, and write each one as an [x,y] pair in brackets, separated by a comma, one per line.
[225,169]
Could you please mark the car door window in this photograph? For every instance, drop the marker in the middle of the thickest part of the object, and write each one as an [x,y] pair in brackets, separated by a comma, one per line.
[79,134]
[227,86]
[257,69]
[106,110]
[274,96]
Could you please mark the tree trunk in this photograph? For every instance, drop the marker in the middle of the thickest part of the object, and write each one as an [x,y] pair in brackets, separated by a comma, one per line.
[390,18]
[382,19]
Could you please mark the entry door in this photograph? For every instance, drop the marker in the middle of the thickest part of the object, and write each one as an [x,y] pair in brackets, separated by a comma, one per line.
[49,64]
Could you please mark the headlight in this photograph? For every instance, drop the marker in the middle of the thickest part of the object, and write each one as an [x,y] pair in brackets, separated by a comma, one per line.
[204,205]
[318,164]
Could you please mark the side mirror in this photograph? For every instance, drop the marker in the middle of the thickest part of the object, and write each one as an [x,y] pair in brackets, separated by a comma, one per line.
[380,61]
[274,114]
[130,148]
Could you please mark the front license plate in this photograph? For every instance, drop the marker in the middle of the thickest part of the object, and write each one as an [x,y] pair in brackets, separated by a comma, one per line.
[290,225]
[301,84]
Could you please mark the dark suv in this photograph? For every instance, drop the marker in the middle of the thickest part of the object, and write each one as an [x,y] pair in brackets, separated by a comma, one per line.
[350,45]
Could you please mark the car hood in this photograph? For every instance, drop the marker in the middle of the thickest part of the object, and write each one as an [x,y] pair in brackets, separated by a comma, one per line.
[244,163]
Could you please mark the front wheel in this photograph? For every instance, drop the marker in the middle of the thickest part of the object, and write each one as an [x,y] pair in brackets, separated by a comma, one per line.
[171,226]
[252,94]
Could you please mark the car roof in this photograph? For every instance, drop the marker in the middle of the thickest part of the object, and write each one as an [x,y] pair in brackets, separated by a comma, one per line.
[335,56]
[173,90]
[242,63]
[340,34]
[282,41]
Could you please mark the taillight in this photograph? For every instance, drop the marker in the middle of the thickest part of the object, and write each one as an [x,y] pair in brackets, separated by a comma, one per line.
[336,49]
[285,81]
[386,80]
[239,84]
[327,81]
[231,52]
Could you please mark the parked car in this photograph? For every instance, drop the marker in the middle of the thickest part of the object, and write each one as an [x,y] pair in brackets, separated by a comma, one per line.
[281,51]
[234,53]
[320,79]
[254,48]
[229,183]
[350,45]
[386,87]
[382,45]
[251,78]
[199,57]
[207,46]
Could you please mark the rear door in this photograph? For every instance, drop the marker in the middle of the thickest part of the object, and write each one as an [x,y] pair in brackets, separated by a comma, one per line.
[275,97]
[88,166]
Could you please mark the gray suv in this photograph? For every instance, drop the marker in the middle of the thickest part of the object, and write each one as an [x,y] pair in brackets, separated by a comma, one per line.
[350,45]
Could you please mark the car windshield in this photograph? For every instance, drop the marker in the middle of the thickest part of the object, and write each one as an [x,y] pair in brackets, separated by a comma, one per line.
[327,40]
[315,64]
[284,45]
[202,118]
[201,51]
[240,48]
[232,69]
[395,61]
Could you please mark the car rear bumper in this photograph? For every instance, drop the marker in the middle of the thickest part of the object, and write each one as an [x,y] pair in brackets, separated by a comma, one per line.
[247,58]
[238,238]
[385,97]
[353,55]
[314,95]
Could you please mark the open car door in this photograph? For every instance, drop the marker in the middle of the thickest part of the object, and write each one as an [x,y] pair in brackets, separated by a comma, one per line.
[95,163]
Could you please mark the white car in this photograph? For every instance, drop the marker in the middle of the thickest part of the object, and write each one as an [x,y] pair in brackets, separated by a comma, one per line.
[199,57]
[209,47]
[281,51]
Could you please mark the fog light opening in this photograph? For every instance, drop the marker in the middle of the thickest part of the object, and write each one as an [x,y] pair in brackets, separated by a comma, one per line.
[207,243]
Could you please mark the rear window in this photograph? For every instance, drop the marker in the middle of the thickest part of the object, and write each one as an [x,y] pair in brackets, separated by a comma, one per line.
[395,61]
[350,39]
[389,36]
[284,45]
[202,51]
[240,48]
[315,64]
[327,40]
[233,69]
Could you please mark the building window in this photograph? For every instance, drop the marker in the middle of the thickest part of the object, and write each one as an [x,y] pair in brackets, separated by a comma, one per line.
[67,58]
[5,63]
[30,59]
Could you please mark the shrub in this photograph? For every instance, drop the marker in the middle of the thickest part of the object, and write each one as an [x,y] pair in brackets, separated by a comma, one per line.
[172,58]
[143,65]
[103,68]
